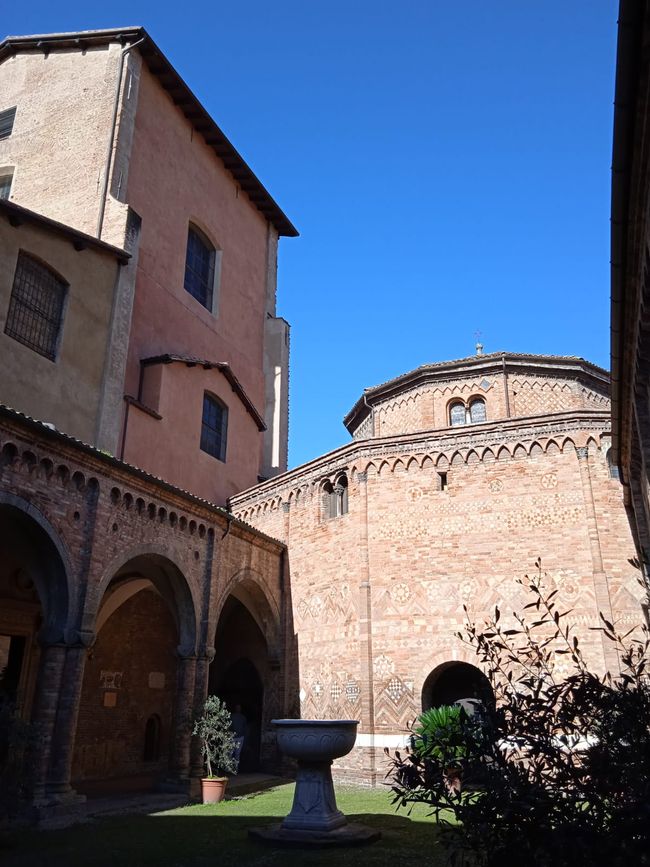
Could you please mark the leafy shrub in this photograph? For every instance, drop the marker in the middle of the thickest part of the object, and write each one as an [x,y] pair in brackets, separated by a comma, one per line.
[558,771]
[213,728]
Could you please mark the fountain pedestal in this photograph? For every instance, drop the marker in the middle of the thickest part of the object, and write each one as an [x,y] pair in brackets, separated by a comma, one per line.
[315,820]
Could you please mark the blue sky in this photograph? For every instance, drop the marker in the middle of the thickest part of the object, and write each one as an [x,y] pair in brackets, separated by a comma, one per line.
[447,165]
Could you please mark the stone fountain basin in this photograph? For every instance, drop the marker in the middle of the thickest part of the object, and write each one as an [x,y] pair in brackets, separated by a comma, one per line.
[313,740]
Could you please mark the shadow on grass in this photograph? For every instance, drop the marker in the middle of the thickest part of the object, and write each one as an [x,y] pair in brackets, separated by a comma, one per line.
[196,840]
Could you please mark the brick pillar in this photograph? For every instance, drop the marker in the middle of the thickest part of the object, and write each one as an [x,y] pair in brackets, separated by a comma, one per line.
[202,668]
[58,782]
[365,635]
[601,585]
[46,702]
[184,718]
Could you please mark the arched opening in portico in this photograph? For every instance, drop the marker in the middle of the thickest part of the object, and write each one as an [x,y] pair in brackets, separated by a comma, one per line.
[242,672]
[128,712]
[457,683]
[33,603]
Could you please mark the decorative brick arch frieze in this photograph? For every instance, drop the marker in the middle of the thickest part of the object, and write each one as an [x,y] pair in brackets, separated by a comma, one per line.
[381,457]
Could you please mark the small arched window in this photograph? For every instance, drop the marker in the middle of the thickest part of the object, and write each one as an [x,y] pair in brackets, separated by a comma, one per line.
[614,472]
[328,501]
[151,752]
[341,493]
[457,414]
[200,260]
[477,410]
[214,427]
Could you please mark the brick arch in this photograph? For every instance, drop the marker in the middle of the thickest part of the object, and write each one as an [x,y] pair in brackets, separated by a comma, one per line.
[249,588]
[55,581]
[454,651]
[169,580]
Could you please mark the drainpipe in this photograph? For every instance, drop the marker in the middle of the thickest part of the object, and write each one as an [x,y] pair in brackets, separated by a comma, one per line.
[111,138]
[371,410]
[505,384]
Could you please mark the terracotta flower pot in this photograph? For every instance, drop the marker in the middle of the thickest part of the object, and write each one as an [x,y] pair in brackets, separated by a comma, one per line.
[213,789]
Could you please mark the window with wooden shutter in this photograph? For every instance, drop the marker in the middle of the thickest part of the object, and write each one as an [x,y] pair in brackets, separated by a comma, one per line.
[214,427]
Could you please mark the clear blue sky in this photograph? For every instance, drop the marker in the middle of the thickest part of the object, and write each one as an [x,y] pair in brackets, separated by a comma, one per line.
[447,165]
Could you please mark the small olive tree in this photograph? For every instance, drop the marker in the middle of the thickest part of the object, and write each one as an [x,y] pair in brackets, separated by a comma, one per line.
[558,771]
[213,728]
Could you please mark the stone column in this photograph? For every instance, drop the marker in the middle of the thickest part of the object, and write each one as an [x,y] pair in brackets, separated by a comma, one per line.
[365,634]
[46,702]
[180,764]
[601,584]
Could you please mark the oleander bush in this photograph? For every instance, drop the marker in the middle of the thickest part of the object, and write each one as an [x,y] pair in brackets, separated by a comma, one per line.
[557,771]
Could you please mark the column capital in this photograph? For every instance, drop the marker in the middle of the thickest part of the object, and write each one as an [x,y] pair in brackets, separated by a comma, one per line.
[362,478]
[286,506]
[582,452]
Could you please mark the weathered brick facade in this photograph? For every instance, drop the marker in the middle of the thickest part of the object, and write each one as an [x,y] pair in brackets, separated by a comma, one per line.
[116,581]
[442,517]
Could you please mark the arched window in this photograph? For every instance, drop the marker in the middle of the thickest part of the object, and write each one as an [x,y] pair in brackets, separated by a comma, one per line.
[35,312]
[329,501]
[214,427]
[341,492]
[151,750]
[477,410]
[457,414]
[614,472]
[200,260]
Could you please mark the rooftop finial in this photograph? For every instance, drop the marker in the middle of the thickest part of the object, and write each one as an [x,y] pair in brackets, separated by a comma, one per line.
[479,345]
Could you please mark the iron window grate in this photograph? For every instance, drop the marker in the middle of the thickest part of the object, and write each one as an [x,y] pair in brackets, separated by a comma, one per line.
[214,428]
[36,307]
[7,122]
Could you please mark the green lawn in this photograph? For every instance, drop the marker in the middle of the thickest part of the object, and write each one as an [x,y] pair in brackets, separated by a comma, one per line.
[212,836]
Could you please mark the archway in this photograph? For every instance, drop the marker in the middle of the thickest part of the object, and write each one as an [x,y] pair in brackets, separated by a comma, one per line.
[127,715]
[240,669]
[457,683]
[33,601]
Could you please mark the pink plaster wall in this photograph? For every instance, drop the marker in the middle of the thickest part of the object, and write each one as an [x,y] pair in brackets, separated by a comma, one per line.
[175,178]
[173,442]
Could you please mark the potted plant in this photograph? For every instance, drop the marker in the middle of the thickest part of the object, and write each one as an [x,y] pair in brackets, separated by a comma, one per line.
[213,728]
[440,735]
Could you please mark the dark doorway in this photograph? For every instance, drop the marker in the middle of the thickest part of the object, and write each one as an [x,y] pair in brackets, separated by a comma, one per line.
[241,685]
[237,674]
[457,683]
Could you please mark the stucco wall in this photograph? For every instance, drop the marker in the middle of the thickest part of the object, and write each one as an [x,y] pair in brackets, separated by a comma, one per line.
[173,442]
[67,392]
[174,179]
[64,103]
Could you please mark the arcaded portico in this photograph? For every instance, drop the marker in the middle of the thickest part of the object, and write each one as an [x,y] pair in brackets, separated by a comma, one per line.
[115,590]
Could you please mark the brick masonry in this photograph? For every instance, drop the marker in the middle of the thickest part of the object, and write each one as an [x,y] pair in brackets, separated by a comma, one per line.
[378,593]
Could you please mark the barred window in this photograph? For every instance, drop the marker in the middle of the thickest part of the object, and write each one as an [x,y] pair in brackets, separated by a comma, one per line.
[214,427]
[199,267]
[7,122]
[35,311]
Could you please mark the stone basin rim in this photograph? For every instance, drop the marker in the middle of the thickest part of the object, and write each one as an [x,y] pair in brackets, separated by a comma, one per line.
[314,722]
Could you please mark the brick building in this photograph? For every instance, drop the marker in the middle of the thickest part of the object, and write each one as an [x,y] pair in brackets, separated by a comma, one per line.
[630,343]
[138,323]
[458,477]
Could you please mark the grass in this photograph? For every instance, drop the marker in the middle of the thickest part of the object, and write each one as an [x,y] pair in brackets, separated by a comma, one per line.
[205,836]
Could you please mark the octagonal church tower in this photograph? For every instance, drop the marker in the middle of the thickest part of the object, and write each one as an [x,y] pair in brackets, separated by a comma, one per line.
[459,475]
